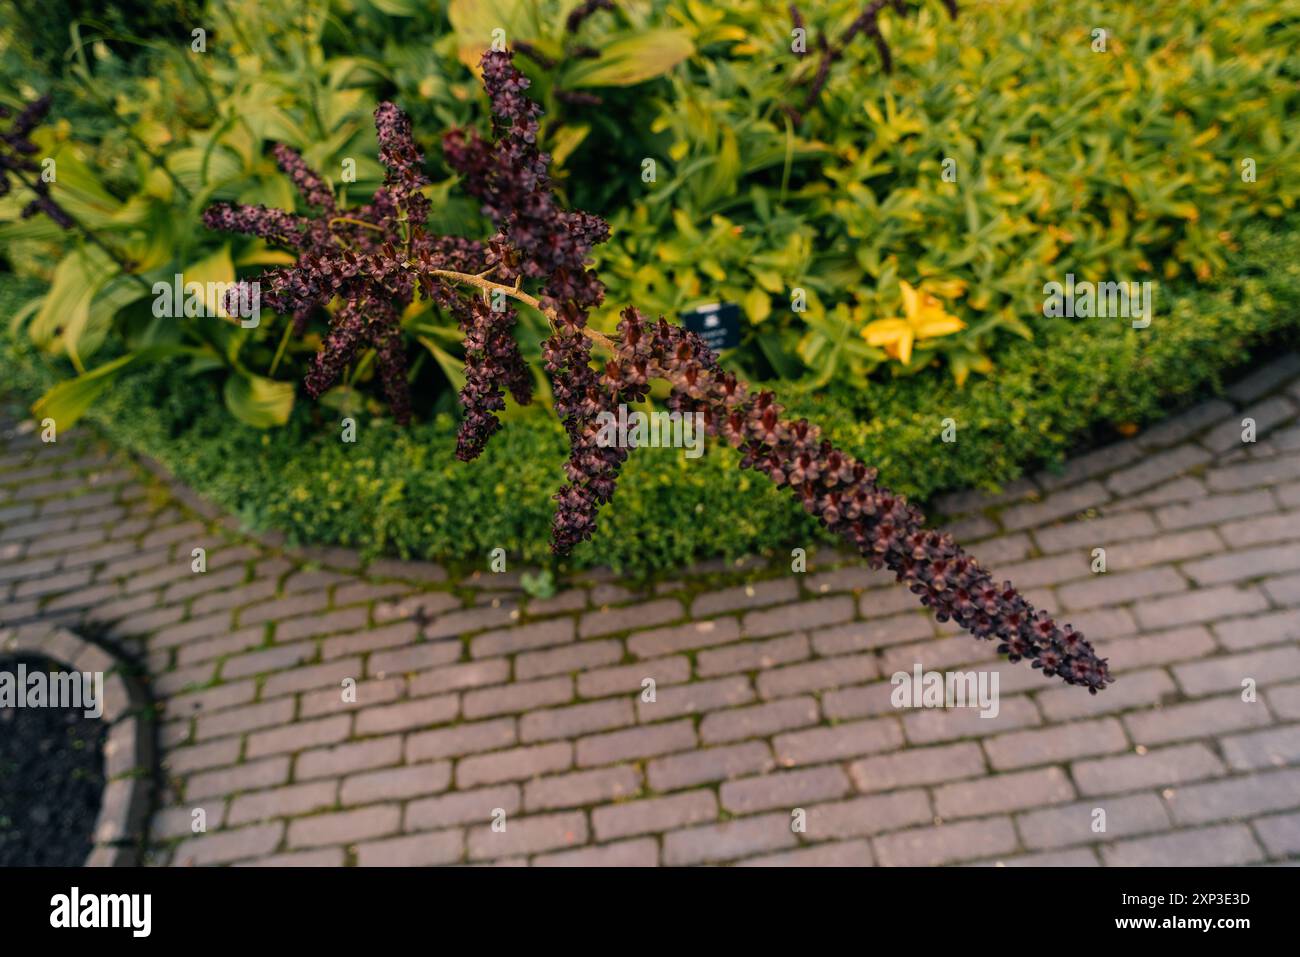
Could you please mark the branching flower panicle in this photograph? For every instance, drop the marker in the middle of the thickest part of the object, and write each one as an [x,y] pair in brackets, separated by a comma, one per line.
[541,248]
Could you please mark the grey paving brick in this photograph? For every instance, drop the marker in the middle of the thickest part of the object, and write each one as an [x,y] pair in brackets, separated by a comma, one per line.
[1268,666]
[1196,719]
[516,764]
[1266,378]
[394,784]
[696,634]
[1100,532]
[1273,747]
[628,678]
[946,843]
[542,634]
[706,765]
[1279,833]
[341,759]
[1185,424]
[462,739]
[863,816]
[694,698]
[653,815]
[607,621]
[815,613]
[581,788]
[833,854]
[719,727]
[1155,468]
[1236,798]
[1101,819]
[582,656]
[1215,509]
[220,847]
[728,840]
[1272,628]
[1057,505]
[643,852]
[528,835]
[1220,846]
[752,656]
[1162,767]
[1284,590]
[293,800]
[1005,792]
[1021,749]
[815,676]
[637,743]
[1200,605]
[935,725]
[576,720]
[416,850]
[745,596]
[1265,415]
[849,739]
[480,806]
[785,789]
[344,827]
[1245,564]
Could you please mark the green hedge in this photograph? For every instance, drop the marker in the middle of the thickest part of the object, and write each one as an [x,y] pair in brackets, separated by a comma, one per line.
[403,492]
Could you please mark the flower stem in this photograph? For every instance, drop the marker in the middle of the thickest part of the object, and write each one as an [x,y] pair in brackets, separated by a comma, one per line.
[515,293]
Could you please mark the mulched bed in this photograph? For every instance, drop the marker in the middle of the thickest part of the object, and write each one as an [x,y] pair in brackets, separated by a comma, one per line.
[51,780]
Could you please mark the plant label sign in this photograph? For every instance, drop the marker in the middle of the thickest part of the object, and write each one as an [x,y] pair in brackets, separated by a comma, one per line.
[718,324]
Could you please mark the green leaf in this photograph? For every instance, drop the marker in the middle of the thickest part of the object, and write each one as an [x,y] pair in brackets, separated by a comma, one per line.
[216,268]
[65,311]
[451,367]
[474,21]
[399,8]
[758,305]
[258,401]
[632,59]
[68,401]
[84,338]
[787,366]
[565,141]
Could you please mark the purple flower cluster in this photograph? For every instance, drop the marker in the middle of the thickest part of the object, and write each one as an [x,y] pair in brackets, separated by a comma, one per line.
[843,494]
[354,255]
[16,151]
[492,364]
[537,239]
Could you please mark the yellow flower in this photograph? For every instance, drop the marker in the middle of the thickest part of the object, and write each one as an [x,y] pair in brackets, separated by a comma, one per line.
[924,318]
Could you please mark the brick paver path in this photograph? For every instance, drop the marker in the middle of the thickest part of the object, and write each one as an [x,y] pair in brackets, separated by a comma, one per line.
[324,713]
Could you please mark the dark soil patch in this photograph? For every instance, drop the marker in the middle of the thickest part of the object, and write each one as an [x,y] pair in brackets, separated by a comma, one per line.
[51,780]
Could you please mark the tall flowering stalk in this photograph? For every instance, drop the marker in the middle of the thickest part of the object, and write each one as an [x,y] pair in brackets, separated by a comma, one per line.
[541,247]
